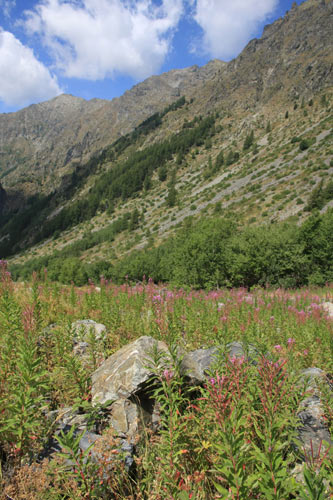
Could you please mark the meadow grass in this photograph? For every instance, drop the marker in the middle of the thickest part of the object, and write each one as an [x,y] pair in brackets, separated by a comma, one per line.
[235,437]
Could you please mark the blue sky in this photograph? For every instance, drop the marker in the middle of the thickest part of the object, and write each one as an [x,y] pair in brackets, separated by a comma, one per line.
[100,48]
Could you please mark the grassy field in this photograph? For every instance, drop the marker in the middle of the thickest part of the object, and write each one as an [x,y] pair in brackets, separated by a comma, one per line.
[233,438]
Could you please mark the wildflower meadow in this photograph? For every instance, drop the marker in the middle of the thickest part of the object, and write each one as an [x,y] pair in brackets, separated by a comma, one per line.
[235,436]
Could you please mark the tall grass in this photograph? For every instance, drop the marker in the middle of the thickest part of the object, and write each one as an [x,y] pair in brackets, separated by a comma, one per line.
[235,437]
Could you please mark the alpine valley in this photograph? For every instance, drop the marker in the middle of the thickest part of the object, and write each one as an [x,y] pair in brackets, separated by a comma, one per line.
[100,187]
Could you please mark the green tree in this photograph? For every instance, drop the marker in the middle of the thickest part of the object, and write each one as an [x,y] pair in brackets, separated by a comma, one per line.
[248,141]
[172,196]
[162,173]
[219,162]
[134,220]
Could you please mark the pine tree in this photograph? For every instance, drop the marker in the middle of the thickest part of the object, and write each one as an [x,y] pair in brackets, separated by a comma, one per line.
[134,220]
[219,161]
[248,141]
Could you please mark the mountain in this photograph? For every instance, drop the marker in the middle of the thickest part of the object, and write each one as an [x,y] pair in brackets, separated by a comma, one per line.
[44,139]
[252,136]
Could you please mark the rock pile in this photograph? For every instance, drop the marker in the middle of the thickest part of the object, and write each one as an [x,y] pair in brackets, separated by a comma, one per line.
[122,384]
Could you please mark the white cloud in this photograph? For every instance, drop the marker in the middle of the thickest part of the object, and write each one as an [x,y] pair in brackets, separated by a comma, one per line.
[7,6]
[229,24]
[23,79]
[94,39]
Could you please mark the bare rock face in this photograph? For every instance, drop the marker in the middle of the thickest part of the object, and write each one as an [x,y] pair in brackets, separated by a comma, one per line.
[126,372]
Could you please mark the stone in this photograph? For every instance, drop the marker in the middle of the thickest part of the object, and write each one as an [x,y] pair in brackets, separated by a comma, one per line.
[313,431]
[88,439]
[87,333]
[328,308]
[81,349]
[128,419]
[237,350]
[310,376]
[103,448]
[83,328]
[66,417]
[195,364]
[126,372]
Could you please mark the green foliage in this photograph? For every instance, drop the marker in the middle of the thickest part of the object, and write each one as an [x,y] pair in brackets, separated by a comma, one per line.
[162,173]
[172,196]
[249,139]
[304,144]
[216,252]
[81,466]
[219,162]
[317,236]
[232,157]
[134,220]
[234,436]
[123,181]
[212,252]
[320,196]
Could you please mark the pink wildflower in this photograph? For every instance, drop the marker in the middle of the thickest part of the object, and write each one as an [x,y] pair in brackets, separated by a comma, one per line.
[168,374]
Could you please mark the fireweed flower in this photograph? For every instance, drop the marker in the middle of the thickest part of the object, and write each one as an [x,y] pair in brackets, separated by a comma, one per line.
[277,347]
[237,361]
[168,374]
[291,341]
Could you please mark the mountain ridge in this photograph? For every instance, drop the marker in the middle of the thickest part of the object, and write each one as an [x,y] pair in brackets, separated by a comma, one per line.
[279,89]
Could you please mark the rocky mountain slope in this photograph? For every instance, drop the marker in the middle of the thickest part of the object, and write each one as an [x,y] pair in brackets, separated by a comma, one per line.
[266,148]
[293,58]
[44,139]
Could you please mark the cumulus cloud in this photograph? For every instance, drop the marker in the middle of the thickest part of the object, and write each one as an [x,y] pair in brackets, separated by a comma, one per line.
[94,39]
[23,79]
[229,24]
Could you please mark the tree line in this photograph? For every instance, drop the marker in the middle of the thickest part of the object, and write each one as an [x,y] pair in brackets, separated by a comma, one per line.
[213,252]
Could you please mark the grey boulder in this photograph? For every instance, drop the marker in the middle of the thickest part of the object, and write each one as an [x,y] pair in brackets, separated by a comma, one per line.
[84,328]
[127,371]
[195,364]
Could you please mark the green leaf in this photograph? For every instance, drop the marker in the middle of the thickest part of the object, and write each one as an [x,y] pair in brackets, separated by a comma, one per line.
[183,495]
[221,489]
